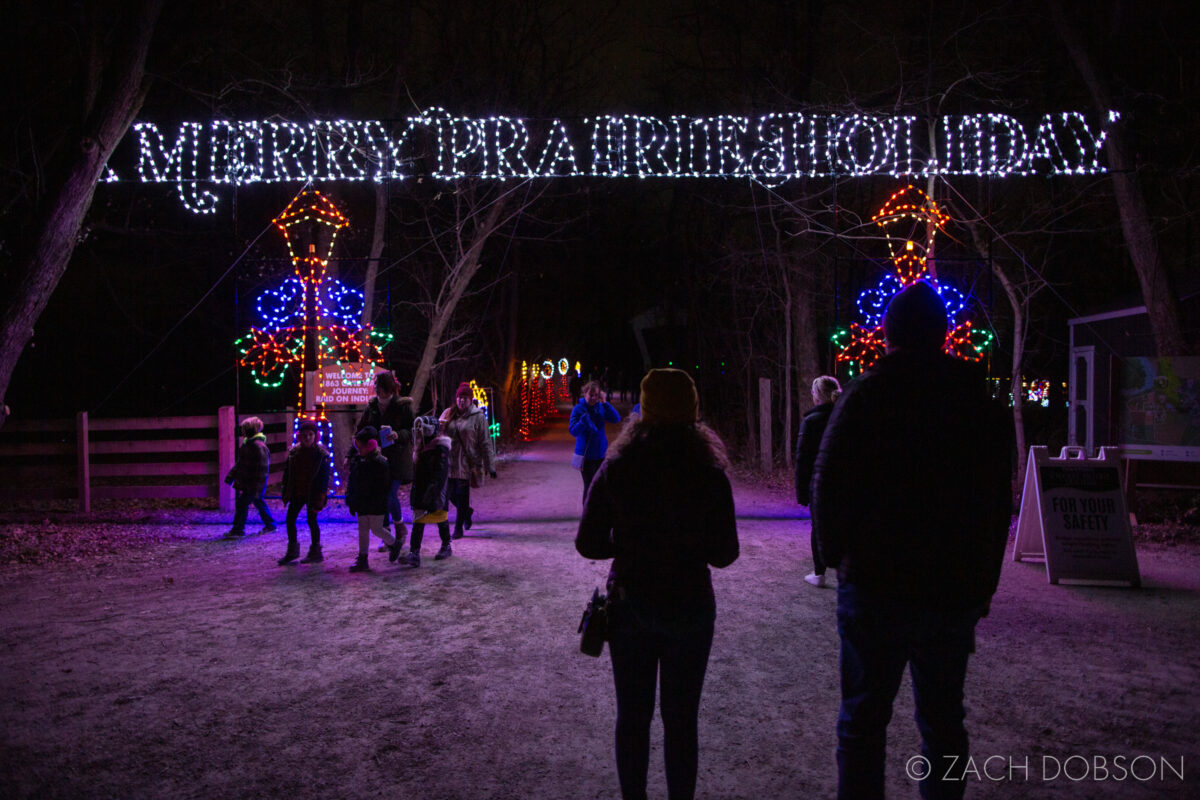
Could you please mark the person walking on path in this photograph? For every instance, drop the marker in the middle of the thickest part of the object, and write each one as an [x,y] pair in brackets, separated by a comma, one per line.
[472,454]
[825,390]
[388,412]
[249,476]
[587,426]
[912,504]
[367,496]
[305,485]
[661,507]
[428,495]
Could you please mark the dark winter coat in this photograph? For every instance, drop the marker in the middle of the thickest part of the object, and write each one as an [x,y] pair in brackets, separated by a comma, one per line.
[369,485]
[911,489]
[808,442]
[253,465]
[313,462]
[429,478]
[587,426]
[399,415]
[663,515]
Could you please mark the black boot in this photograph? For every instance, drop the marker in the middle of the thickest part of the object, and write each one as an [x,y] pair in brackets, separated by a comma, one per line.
[443,553]
[467,517]
[360,564]
[314,555]
[293,552]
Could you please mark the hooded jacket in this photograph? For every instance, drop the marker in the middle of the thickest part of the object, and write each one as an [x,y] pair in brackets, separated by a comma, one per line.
[369,485]
[253,465]
[911,488]
[398,414]
[472,452]
[316,493]
[428,491]
[587,426]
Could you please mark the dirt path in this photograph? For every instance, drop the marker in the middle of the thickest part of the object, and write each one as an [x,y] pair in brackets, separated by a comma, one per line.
[198,668]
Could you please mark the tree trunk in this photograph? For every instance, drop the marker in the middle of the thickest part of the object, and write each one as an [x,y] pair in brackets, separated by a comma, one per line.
[1162,305]
[458,279]
[378,237]
[1017,367]
[57,227]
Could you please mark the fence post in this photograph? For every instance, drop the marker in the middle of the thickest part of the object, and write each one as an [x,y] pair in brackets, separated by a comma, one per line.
[226,448]
[764,422]
[83,464]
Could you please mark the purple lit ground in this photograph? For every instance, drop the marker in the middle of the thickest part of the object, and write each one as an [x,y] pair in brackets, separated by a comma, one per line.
[198,668]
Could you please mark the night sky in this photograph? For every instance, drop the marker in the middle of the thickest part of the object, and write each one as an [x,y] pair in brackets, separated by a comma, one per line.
[145,318]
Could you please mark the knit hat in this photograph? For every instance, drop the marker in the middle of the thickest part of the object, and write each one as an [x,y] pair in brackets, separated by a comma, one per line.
[426,427]
[464,389]
[366,434]
[308,425]
[915,319]
[669,396]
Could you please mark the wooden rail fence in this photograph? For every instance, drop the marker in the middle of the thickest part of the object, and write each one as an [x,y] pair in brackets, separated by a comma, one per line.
[145,457]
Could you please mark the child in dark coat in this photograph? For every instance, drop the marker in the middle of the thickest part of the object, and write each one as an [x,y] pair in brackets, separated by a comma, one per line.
[305,484]
[428,495]
[249,478]
[367,496]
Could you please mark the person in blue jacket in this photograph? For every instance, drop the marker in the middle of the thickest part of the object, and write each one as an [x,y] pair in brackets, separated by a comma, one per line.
[587,426]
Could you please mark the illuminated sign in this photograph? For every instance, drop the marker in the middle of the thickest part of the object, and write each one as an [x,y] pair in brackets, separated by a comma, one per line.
[770,148]
[345,384]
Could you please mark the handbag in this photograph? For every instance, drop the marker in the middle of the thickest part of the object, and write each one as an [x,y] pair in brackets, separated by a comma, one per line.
[594,625]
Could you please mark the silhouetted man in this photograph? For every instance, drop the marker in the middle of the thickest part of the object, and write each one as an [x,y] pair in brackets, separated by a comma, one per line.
[911,501]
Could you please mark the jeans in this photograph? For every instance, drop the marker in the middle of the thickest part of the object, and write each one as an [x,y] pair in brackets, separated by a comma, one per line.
[395,505]
[459,491]
[879,638]
[818,562]
[418,535]
[590,467]
[645,644]
[241,509]
[293,514]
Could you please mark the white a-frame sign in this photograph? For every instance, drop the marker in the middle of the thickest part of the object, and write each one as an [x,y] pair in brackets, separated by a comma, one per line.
[1073,516]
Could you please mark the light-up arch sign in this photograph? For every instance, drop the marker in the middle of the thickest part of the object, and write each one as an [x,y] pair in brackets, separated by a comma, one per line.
[771,148]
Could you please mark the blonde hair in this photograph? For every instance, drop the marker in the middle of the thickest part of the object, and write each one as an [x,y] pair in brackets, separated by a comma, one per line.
[251,426]
[587,387]
[826,388]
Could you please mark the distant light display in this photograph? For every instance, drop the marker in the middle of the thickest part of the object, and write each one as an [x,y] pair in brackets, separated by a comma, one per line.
[544,384]
[1038,391]
[859,346]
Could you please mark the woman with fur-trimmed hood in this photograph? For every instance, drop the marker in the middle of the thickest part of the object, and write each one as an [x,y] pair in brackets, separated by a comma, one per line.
[471,453]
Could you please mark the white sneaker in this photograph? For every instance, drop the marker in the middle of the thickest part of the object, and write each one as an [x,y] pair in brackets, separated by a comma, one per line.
[815,579]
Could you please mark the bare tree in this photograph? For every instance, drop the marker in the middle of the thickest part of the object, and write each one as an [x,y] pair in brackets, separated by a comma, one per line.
[115,87]
[1162,304]
[478,211]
